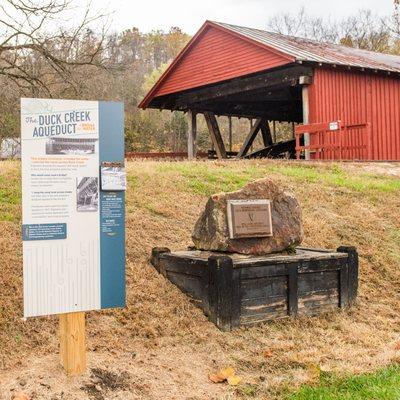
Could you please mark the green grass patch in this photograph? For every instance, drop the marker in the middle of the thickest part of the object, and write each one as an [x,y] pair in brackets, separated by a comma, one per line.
[10,198]
[206,179]
[132,181]
[6,216]
[10,190]
[381,385]
[335,176]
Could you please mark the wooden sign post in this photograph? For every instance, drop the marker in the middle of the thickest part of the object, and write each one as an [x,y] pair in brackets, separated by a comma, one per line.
[72,343]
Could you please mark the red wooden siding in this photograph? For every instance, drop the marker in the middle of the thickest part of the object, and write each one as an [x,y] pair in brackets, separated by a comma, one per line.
[358,98]
[217,56]
[385,105]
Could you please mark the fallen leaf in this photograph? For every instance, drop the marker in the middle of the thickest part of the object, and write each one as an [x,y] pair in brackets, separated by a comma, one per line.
[268,353]
[216,378]
[222,375]
[234,380]
[397,346]
[227,372]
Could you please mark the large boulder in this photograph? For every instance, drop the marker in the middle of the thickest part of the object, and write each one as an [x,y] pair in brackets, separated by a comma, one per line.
[211,230]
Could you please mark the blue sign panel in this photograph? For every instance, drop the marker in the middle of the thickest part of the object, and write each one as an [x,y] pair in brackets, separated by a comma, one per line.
[112,209]
[44,231]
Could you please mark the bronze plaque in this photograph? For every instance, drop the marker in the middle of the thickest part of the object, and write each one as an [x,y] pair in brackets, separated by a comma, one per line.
[249,218]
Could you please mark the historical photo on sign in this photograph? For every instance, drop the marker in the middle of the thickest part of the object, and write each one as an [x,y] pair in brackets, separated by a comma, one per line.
[113,177]
[249,218]
[68,146]
[87,193]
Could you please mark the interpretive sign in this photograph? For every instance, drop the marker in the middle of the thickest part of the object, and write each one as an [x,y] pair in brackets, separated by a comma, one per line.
[249,218]
[113,176]
[73,232]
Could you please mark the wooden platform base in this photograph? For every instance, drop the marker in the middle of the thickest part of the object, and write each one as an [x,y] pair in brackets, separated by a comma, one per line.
[235,290]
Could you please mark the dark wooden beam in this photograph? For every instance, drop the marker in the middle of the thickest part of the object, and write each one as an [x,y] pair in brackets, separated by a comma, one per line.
[260,103]
[281,94]
[271,116]
[291,93]
[192,135]
[250,138]
[276,150]
[215,134]
[283,77]
[230,132]
[253,108]
[266,134]
[283,113]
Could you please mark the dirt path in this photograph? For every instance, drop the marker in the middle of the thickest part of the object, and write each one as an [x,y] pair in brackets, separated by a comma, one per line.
[162,373]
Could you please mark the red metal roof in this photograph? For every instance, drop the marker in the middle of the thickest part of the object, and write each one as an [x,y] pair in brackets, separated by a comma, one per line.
[222,51]
[313,51]
[214,55]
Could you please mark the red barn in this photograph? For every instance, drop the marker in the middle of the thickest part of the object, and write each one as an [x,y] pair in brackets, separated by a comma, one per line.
[346,99]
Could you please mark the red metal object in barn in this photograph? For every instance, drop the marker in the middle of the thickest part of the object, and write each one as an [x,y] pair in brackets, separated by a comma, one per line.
[361,89]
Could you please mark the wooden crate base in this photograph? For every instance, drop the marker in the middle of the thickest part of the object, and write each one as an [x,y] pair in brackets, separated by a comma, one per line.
[235,290]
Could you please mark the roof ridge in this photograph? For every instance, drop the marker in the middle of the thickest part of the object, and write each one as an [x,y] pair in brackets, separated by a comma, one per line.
[272,32]
[303,39]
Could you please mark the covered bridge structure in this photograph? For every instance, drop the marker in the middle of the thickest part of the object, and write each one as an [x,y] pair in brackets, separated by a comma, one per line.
[345,101]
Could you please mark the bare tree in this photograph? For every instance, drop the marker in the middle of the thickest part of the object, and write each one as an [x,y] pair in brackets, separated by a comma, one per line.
[304,25]
[37,53]
[394,24]
[363,30]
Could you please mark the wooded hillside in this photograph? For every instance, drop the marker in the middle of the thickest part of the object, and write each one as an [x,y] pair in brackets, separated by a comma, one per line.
[87,60]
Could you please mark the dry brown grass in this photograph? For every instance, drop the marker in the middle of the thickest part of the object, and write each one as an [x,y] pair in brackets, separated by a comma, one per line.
[164,343]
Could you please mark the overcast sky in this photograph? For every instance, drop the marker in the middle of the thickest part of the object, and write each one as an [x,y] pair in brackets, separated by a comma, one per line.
[189,15]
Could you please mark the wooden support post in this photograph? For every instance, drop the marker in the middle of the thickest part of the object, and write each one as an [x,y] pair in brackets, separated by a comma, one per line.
[72,343]
[251,126]
[230,132]
[215,134]
[192,135]
[266,133]
[250,138]
[352,263]
[224,292]
[155,257]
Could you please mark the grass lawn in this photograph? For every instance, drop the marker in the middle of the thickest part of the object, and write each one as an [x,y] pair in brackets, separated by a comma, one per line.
[381,385]
[162,346]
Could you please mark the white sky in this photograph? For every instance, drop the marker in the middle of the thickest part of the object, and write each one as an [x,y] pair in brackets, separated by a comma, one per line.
[189,15]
